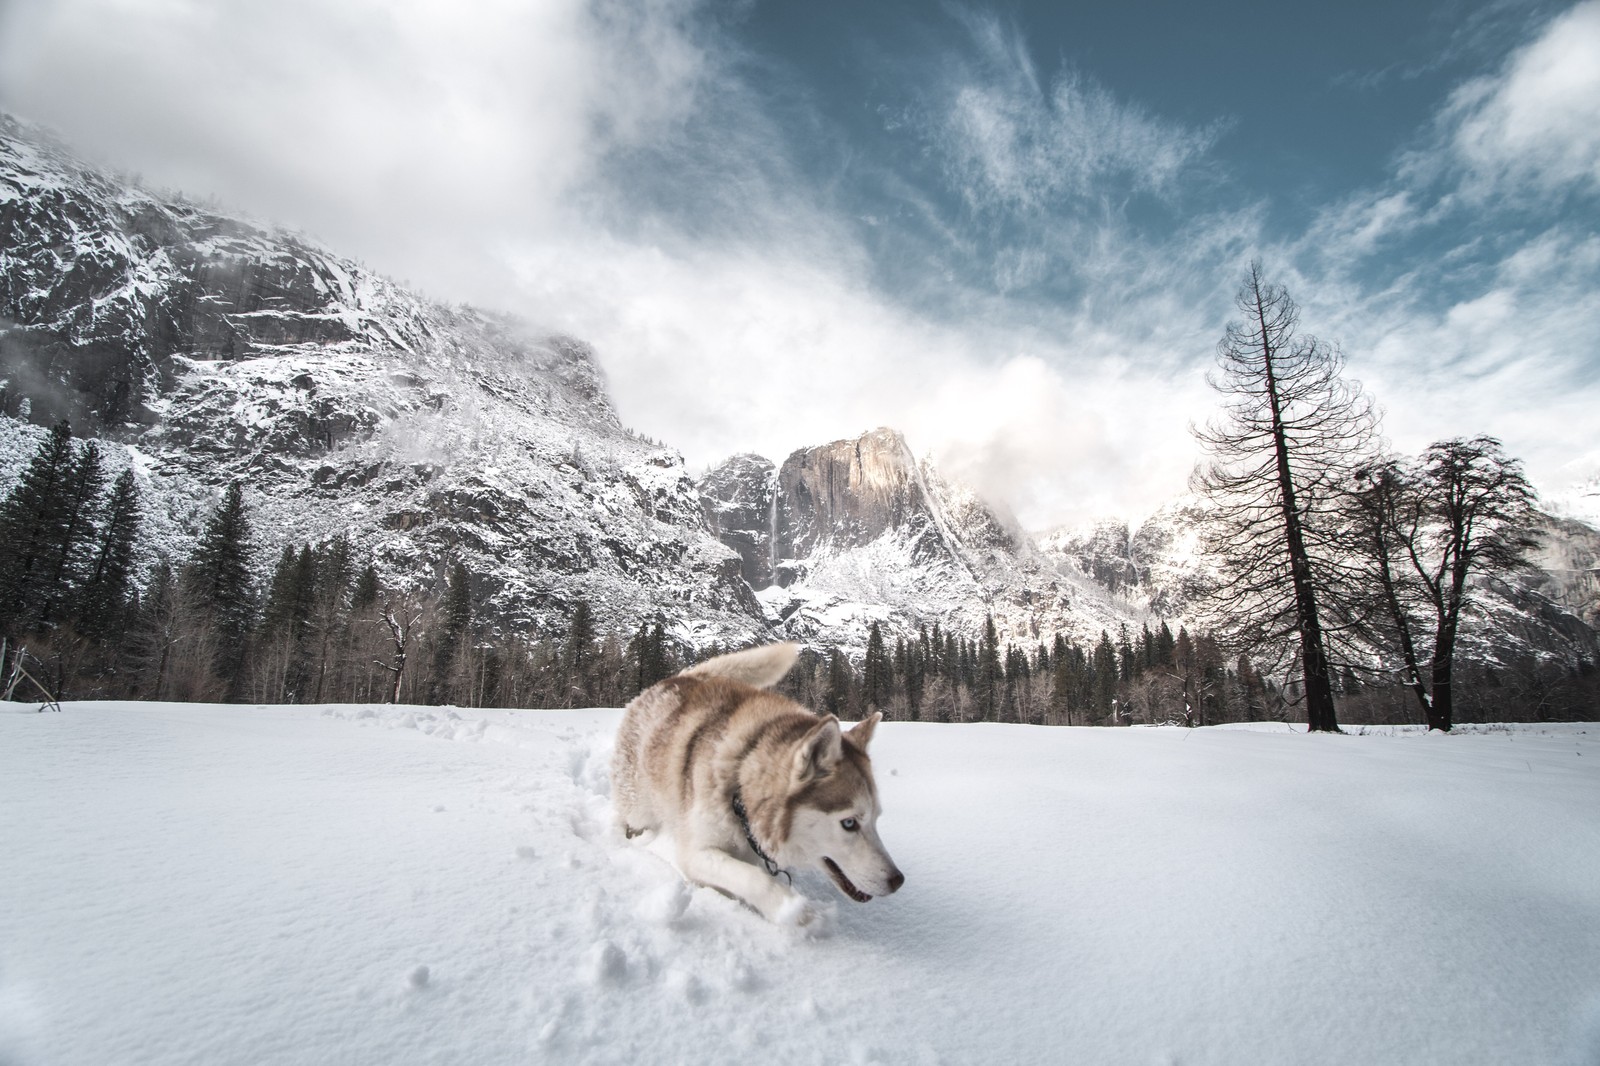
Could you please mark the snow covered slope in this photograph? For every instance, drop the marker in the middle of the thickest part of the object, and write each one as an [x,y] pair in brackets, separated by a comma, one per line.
[1549,613]
[860,531]
[207,348]
[205,885]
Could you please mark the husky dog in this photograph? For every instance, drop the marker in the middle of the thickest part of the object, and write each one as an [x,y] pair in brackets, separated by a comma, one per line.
[748,783]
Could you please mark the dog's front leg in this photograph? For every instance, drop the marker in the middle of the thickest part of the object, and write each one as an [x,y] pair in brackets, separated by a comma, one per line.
[717,869]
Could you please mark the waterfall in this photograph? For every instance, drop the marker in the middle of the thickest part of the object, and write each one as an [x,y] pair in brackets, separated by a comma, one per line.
[772,535]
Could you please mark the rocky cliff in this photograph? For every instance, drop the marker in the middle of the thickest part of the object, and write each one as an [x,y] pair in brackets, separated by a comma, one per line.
[204,348]
[858,531]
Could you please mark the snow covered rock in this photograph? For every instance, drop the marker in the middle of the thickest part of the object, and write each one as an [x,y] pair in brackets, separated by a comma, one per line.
[861,531]
[204,348]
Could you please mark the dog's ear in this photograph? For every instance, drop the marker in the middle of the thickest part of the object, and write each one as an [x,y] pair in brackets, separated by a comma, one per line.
[861,733]
[819,751]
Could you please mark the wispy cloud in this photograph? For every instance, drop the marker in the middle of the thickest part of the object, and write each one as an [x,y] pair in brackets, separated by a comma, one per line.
[1014,140]
[1467,286]
[1028,273]
[1532,128]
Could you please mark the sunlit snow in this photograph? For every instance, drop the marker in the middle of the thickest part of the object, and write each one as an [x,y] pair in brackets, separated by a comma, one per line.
[210,884]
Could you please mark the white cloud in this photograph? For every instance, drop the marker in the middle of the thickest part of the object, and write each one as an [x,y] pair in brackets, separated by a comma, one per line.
[1534,126]
[1464,290]
[599,167]
[1512,358]
[506,152]
[1060,448]
[729,352]
[413,132]
[1014,143]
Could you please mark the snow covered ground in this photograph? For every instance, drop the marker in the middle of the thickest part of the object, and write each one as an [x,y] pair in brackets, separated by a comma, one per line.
[217,885]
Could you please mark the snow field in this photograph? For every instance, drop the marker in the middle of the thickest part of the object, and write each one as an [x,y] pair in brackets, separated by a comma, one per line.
[200,884]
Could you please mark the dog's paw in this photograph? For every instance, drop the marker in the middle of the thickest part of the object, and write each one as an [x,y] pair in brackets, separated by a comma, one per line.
[814,919]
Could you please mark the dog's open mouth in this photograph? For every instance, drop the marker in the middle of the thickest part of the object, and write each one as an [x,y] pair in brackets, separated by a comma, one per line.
[845,884]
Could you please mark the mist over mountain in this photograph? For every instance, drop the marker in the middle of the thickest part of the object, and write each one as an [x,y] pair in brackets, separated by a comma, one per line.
[857,531]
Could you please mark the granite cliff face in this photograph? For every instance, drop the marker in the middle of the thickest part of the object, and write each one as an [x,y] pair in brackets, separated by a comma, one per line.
[739,499]
[203,348]
[1568,561]
[858,531]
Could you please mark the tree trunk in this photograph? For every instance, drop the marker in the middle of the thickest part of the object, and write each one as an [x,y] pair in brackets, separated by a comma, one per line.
[1441,707]
[1408,648]
[1440,710]
[1320,717]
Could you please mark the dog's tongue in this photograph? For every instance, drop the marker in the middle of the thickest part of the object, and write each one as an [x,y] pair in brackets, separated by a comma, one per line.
[845,884]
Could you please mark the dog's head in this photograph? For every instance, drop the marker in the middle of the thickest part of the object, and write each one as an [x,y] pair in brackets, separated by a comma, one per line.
[833,811]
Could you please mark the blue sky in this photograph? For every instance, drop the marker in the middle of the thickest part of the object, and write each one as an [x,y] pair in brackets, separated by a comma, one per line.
[1013,232]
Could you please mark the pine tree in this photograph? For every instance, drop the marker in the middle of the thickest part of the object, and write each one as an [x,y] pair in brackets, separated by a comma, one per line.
[989,675]
[877,679]
[1061,687]
[1127,665]
[330,624]
[365,594]
[578,653]
[220,581]
[1293,433]
[840,696]
[656,662]
[1105,679]
[152,633]
[33,525]
[277,616]
[1166,646]
[916,675]
[452,636]
[104,599]
[86,480]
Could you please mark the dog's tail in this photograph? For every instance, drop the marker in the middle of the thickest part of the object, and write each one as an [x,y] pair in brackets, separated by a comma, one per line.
[761,667]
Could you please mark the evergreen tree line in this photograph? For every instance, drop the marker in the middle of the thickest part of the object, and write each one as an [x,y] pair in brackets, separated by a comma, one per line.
[1152,678]
[77,624]
[325,629]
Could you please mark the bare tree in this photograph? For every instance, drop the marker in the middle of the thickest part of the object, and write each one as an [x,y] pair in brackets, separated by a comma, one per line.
[1462,509]
[401,619]
[1279,458]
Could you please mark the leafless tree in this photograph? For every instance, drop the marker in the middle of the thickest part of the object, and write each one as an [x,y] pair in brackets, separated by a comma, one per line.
[1462,509]
[1279,457]
[401,619]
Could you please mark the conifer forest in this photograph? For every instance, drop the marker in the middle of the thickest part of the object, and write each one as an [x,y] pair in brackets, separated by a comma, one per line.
[80,623]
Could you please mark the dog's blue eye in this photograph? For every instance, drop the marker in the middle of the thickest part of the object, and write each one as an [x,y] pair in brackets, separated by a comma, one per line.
[850,825]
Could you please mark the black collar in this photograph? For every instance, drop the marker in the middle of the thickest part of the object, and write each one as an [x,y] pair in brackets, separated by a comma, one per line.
[750,837]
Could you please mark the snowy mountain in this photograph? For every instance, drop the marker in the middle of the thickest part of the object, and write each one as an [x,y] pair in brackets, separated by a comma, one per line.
[858,531]
[1578,501]
[1551,612]
[205,348]
[1157,562]
[1569,567]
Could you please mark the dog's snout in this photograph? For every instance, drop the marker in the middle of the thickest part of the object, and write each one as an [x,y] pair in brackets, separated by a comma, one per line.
[896,879]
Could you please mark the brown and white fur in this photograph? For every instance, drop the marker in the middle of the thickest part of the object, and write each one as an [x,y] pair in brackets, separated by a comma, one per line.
[689,744]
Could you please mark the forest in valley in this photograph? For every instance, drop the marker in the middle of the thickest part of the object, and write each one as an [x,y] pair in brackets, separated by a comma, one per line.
[79,623]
